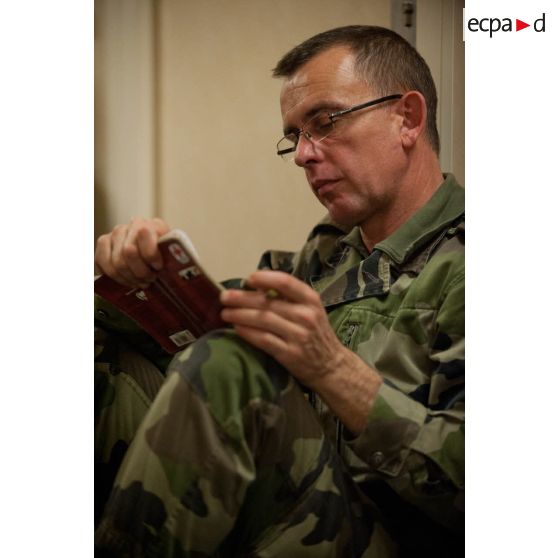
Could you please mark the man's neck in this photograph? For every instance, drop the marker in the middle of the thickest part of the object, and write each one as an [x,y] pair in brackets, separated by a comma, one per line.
[414,192]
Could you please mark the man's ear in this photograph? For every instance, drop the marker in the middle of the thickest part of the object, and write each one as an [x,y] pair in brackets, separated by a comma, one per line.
[412,108]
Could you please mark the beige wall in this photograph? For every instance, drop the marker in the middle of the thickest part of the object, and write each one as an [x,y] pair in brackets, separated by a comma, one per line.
[439,39]
[200,151]
[124,111]
[220,177]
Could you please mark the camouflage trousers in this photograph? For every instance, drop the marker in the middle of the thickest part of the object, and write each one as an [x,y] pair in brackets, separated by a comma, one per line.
[229,460]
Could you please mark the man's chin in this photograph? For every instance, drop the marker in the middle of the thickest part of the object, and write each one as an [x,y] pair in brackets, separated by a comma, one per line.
[343,216]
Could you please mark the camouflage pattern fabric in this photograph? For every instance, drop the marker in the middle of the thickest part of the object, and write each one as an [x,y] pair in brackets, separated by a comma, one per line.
[231,459]
[125,385]
[219,467]
[402,310]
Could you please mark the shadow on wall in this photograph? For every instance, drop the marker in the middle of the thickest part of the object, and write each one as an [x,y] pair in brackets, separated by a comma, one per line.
[101,223]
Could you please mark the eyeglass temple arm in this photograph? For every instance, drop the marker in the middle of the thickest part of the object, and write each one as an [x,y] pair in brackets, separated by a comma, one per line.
[364,105]
[343,112]
[285,151]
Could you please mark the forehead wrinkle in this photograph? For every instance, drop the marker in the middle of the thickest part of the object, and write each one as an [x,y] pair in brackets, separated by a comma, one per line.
[327,79]
[318,99]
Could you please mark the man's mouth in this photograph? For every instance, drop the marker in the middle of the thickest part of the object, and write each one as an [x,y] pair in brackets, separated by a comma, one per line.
[323,186]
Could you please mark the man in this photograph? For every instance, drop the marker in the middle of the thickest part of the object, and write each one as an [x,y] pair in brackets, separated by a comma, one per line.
[330,420]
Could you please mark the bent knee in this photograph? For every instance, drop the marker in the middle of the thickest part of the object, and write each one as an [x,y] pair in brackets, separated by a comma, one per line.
[221,363]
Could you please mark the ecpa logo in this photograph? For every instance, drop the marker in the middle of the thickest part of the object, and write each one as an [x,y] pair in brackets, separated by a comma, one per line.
[494,24]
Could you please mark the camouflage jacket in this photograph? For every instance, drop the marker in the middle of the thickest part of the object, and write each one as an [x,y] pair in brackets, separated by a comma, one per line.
[401,309]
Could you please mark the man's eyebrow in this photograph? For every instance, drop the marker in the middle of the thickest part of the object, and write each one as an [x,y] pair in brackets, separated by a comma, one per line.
[290,130]
[328,106]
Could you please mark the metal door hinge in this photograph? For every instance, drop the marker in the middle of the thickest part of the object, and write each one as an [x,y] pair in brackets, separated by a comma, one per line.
[404,19]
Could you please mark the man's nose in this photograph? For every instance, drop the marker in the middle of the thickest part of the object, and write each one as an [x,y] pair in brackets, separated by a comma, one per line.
[306,151]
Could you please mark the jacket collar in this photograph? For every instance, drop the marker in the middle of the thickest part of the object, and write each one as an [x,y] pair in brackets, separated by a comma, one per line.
[444,208]
[369,274]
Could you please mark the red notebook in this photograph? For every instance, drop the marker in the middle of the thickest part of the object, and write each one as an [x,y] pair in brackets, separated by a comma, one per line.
[181,305]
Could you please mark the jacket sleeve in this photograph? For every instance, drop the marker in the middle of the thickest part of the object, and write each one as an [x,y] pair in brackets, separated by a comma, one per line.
[277,260]
[417,443]
[309,260]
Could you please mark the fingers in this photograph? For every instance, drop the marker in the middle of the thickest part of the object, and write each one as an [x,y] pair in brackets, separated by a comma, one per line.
[291,321]
[129,254]
[303,314]
[147,245]
[265,320]
[117,258]
[293,328]
[288,287]
[103,259]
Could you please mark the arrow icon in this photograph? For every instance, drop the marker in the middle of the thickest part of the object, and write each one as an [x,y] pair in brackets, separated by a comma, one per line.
[519,25]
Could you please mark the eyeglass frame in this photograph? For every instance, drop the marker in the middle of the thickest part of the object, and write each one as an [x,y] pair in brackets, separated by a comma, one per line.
[338,114]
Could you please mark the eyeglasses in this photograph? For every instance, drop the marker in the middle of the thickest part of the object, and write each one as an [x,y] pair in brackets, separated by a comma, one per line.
[320,126]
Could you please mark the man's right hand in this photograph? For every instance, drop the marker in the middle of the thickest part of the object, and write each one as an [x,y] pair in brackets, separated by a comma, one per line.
[129,254]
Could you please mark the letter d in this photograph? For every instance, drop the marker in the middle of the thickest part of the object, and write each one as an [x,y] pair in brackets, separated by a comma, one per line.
[535,25]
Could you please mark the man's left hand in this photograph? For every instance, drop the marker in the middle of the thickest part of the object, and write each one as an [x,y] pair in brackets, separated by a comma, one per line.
[291,325]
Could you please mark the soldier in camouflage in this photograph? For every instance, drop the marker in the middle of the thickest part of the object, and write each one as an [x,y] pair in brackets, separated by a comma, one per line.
[328,421]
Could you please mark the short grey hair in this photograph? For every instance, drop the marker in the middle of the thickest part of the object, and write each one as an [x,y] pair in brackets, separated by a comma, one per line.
[384,59]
